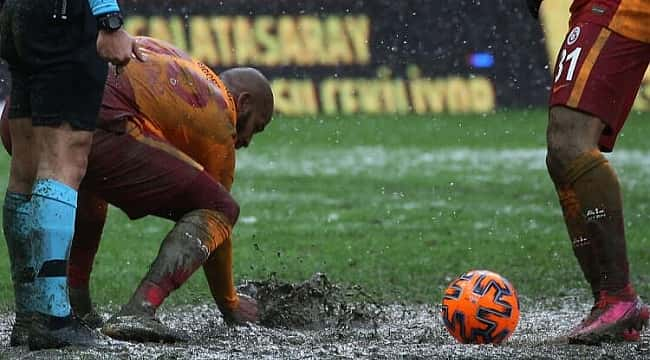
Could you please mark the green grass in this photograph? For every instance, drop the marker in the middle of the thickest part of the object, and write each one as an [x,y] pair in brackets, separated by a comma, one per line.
[399,205]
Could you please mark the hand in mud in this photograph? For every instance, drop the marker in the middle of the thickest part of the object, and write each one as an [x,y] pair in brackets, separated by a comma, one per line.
[245,313]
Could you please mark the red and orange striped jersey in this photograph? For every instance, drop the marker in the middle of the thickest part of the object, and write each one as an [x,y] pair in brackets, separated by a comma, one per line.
[178,100]
[630,18]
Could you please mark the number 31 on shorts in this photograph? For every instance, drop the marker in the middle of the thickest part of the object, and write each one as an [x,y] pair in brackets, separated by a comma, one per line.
[568,58]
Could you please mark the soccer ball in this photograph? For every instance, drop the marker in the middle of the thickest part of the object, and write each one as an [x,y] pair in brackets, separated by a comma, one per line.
[480,307]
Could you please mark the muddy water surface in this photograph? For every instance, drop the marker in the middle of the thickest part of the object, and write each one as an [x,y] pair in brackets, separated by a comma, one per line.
[317,319]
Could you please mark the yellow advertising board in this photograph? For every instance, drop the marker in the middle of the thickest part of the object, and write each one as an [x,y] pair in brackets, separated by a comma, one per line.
[345,57]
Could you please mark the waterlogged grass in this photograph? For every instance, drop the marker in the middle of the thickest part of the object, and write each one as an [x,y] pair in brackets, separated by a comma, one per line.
[399,205]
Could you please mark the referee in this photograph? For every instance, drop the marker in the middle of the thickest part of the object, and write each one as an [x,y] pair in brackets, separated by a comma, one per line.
[57,52]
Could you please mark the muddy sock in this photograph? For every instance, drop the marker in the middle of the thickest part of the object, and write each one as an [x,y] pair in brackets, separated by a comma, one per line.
[187,246]
[89,226]
[597,191]
[82,252]
[583,247]
[80,300]
[79,268]
[16,219]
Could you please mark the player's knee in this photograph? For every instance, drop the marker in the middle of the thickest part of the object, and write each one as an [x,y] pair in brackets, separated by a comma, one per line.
[205,193]
[80,168]
[221,200]
[21,178]
[568,135]
[558,133]
[77,170]
[559,143]
[209,226]
[76,158]
[70,173]
[230,209]
[64,156]
[554,167]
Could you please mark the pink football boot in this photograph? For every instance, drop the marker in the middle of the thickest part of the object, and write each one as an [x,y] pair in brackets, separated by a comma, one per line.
[613,318]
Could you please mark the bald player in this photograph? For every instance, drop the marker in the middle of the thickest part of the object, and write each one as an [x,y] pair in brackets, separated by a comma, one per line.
[597,76]
[165,146]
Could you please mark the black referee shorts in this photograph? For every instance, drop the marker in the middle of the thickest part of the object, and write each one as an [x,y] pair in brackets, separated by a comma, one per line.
[57,76]
[5,80]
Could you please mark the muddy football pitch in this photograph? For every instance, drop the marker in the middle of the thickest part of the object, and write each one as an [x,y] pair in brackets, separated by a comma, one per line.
[317,319]
[391,209]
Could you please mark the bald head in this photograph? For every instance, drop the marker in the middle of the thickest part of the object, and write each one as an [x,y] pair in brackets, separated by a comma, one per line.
[249,80]
[254,99]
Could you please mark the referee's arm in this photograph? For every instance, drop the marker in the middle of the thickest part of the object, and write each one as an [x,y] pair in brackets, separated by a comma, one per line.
[101,7]
[114,44]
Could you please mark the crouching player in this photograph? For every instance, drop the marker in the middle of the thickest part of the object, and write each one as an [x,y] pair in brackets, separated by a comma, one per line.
[597,75]
[165,146]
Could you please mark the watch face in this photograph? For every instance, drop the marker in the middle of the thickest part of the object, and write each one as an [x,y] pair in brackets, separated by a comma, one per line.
[114,23]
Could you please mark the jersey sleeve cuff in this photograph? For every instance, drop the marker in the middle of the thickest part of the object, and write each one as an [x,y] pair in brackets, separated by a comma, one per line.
[100,7]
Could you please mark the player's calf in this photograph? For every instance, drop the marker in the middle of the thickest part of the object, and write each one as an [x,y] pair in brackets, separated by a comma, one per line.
[187,246]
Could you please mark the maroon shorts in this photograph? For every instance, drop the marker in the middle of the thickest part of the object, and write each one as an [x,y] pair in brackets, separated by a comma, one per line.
[144,175]
[599,72]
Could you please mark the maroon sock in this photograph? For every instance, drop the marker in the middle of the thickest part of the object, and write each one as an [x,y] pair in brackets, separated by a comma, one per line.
[80,266]
[186,247]
[82,255]
[89,225]
[583,247]
[598,195]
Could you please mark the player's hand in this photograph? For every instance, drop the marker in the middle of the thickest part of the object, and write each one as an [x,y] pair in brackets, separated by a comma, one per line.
[118,47]
[533,7]
[245,313]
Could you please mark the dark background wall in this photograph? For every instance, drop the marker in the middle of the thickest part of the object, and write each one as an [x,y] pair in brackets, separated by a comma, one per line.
[437,37]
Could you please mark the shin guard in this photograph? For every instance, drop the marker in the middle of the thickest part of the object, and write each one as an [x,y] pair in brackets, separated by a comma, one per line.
[54,206]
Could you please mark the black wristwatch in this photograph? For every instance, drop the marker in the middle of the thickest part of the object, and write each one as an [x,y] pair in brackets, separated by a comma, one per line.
[110,22]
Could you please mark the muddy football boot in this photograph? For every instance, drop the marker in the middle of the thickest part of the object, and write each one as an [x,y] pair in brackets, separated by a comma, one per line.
[20,329]
[46,333]
[141,328]
[92,319]
[587,320]
[612,319]
[83,308]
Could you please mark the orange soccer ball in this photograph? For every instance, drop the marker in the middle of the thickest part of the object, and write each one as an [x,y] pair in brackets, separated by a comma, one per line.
[480,307]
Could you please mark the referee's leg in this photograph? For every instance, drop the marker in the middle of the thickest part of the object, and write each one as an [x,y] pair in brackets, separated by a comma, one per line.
[57,90]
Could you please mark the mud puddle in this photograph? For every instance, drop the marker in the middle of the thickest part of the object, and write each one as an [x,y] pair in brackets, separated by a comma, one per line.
[313,304]
[316,319]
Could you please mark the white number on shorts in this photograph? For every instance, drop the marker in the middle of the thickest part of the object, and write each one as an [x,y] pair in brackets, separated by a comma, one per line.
[572,59]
